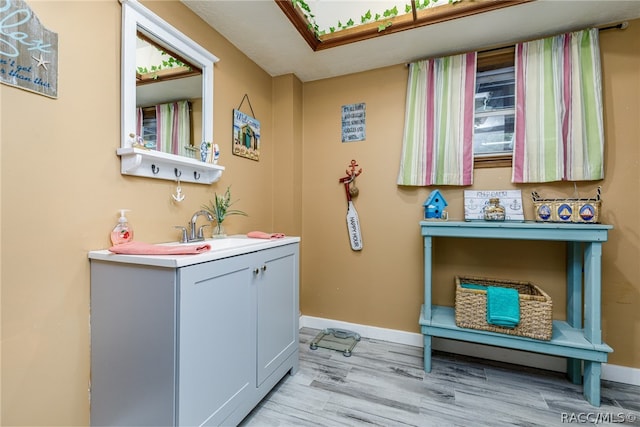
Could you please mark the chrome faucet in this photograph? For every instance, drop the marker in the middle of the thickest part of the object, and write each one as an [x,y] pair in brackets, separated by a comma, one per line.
[193,236]
[192,225]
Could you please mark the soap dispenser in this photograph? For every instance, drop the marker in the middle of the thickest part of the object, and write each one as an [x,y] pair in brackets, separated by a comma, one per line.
[122,232]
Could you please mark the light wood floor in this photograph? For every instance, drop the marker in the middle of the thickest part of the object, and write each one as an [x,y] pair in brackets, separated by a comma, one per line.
[383,384]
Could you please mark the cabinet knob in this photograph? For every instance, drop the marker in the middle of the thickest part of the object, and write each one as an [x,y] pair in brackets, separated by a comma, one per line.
[256,271]
[264,267]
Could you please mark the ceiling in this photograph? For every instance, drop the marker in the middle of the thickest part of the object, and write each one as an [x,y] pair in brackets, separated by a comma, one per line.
[261,30]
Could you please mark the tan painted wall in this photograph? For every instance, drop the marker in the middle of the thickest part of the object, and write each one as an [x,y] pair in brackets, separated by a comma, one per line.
[61,187]
[383,284]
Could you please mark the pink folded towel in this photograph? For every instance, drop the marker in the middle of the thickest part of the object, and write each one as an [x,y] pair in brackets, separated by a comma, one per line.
[139,248]
[263,235]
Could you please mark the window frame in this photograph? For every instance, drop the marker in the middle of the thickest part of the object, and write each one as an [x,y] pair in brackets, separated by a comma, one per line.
[402,22]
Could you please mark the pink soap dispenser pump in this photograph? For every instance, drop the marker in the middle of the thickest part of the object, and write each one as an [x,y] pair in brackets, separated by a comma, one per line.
[122,232]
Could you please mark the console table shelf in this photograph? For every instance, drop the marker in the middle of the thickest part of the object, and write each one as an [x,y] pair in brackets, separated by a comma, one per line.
[579,343]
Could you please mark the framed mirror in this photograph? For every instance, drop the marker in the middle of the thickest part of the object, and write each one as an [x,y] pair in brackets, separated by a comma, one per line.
[166,78]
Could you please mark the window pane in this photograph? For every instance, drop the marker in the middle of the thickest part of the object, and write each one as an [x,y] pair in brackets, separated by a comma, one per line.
[494,112]
[149,129]
[493,134]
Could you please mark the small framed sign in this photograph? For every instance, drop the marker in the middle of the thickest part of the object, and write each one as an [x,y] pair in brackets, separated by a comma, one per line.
[354,126]
[246,136]
[475,202]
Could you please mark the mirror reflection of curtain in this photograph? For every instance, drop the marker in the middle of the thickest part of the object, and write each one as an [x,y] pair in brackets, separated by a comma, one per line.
[437,147]
[559,132]
[166,127]
[173,126]
[139,120]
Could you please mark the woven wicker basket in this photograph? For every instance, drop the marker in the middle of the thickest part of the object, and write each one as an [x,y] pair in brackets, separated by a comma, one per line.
[535,308]
[567,210]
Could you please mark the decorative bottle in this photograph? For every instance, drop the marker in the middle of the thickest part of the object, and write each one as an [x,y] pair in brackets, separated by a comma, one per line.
[122,232]
[494,211]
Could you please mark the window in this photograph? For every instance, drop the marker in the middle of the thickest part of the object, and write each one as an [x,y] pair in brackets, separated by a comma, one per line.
[494,112]
[494,109]
[328,24]
[154,63]
[149,125]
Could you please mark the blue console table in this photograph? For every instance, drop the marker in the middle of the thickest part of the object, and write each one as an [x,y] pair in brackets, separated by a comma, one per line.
[579,343]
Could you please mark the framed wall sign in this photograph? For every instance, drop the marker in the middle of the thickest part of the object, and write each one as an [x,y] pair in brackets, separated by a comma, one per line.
[475,202]
[246,136]
[29,52]
[354,126]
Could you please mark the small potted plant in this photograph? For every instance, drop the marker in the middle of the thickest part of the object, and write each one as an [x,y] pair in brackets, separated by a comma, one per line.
[219,208]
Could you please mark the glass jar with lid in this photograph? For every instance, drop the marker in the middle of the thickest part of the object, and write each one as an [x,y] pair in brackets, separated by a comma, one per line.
[494,211]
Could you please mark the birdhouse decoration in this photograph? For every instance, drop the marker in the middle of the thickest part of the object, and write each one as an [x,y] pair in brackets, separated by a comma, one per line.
[434,206]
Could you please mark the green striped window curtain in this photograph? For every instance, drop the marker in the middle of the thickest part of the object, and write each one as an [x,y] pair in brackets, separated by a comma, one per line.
[173,126]
[437,144]
[559,134]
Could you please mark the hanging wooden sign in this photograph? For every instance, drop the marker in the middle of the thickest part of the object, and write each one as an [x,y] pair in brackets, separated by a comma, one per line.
[246,133]
[28,51]
[353,122]
[246,136]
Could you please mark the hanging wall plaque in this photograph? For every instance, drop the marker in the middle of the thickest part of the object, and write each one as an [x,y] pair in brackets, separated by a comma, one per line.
[353,122]
[28,51]
[246,133]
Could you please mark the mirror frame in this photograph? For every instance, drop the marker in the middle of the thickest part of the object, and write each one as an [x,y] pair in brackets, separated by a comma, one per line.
[151,163]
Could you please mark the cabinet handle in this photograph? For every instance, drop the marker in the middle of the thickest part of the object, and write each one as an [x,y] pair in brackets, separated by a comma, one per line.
[256,271]
[264,267]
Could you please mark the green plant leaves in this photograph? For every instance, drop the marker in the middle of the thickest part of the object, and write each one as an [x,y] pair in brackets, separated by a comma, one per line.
[365,18]
[219,208]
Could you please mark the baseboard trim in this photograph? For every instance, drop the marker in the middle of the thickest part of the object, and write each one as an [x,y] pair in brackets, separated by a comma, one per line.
[620,374]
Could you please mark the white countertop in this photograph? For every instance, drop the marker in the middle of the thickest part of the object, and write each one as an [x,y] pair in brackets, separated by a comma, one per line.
[220,248]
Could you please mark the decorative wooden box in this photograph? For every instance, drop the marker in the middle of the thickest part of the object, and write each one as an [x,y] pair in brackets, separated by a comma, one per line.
[567,210]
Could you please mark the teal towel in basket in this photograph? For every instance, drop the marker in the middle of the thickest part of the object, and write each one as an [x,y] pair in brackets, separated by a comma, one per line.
[503,306]
[473,286]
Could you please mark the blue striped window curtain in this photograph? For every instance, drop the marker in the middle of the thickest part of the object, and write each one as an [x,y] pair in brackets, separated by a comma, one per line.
[559,133]
[437,143]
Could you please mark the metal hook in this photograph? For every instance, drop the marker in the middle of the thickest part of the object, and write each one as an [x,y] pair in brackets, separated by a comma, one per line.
[177,172]
[155,169]
[196,175]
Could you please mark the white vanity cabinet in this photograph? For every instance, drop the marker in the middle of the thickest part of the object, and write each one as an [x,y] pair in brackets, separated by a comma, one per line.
[200,343]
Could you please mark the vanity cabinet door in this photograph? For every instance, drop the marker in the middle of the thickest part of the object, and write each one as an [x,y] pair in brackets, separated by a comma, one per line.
[277,308]
[216,340]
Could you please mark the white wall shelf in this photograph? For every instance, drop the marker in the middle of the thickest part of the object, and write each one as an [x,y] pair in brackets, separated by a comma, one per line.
[155,164]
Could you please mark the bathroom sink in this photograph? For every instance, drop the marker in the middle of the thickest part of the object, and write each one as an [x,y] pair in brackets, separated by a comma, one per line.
[226,243]
[231,242]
